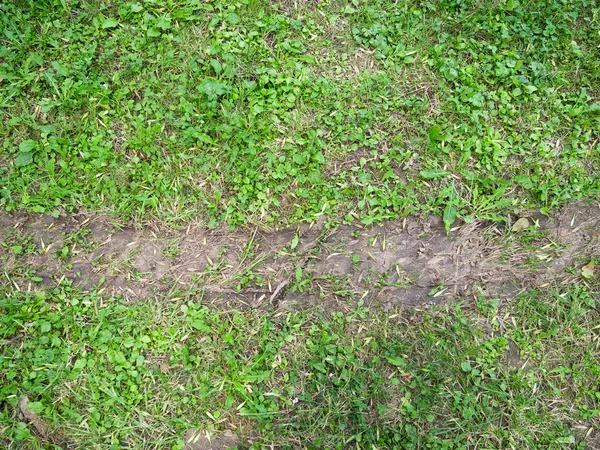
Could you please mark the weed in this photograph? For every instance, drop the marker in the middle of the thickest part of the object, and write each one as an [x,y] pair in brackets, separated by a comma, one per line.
[325,381]
[367,111]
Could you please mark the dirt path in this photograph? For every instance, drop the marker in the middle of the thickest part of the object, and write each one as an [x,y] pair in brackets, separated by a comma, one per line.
[408,262]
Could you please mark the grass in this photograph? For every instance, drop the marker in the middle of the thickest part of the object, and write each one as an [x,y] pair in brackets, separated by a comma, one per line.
[265,114]
[104,373]
[270,113]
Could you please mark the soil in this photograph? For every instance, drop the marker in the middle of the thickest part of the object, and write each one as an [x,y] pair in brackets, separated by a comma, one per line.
[203,440]
[410,262]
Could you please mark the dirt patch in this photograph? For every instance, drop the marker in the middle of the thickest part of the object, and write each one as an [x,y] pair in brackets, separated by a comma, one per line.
[203,440]
[588,432]
[415,263]
[410,262]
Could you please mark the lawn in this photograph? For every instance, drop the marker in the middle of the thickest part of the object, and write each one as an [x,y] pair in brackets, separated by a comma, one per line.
[104,373]
[218,159]
[268,113]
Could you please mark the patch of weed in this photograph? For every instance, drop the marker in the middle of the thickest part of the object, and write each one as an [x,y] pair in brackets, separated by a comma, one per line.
[255,113]
[100,371]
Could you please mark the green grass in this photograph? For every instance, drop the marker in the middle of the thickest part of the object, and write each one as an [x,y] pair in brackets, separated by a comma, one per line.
[104,373]
[269,113]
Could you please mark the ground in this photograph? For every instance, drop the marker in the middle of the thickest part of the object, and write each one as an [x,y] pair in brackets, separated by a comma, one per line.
[299,224]
[258,334]
[411,262]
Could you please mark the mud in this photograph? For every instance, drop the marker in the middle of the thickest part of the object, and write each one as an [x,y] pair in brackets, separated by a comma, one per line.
[411,262]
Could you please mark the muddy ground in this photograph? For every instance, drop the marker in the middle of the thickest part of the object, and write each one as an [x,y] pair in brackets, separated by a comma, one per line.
[410,262]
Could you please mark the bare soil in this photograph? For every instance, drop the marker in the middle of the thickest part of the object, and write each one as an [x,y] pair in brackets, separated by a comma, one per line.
[411,262]
[203,440]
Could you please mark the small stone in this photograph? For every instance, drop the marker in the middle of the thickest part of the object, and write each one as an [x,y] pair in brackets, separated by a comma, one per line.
[520,224]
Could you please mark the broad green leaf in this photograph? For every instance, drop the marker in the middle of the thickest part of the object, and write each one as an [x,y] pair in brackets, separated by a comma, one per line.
[233,18]
[203,137]
[524,180]
[318,158]
[294,242]
[465,366]
[24,159]
[110,23]
[27,146]
[212,88]
[437,291]
[310,59]
[299,158]
[153,32]
[255,377]
[396,361]
[35,407]
[200,325]
[435,134]
[450,214]
[79,364]
[216,65]
[511,4]
[530,89]
[164,23]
